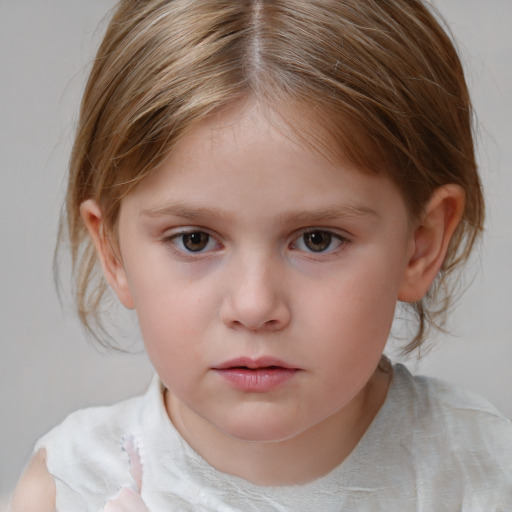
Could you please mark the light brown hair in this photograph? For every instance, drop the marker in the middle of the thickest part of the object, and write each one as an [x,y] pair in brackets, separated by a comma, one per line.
[381,78]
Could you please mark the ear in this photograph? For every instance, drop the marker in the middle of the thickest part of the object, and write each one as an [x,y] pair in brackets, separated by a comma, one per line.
[111,262]
[430,241]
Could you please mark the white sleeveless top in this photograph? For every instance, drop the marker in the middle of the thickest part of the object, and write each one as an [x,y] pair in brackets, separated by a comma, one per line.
[431,448]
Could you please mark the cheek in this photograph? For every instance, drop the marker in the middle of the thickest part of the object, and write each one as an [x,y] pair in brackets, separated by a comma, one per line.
[360,299]
[170,334]
[352,313]
[171,314]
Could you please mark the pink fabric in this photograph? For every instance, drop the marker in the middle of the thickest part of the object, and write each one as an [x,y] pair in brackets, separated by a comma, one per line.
[129,499]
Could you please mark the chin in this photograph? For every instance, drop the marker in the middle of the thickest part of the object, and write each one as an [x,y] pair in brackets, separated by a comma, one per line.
[262,431]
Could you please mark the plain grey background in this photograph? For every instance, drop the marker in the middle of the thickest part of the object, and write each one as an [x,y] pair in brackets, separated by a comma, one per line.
[47,368]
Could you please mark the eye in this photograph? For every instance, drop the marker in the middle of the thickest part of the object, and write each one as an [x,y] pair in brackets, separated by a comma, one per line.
[317,241]
[194,241]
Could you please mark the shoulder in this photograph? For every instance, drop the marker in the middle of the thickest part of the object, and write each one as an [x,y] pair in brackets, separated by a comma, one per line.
[434,397]
[95,426]
[98,422]
[442,448]
[456,430]
[86,454]
[86,434]
[35,491]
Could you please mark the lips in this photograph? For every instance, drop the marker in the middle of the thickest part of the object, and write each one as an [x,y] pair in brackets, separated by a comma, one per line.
[259,375]
[253,364]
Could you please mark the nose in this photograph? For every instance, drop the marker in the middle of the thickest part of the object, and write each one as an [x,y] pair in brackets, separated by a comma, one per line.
[255,297]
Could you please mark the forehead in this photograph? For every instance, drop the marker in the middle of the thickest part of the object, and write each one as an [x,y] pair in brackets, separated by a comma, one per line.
[247,162]
[294,126]
[246,139]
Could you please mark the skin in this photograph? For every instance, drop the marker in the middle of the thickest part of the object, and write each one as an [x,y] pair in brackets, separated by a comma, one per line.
[35,491]
[244,243]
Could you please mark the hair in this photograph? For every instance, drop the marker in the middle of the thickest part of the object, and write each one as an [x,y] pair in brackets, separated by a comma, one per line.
[381,79]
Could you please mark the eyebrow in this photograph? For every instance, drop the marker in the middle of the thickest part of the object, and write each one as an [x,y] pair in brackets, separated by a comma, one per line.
[191,212]
[187,212]
[328,213]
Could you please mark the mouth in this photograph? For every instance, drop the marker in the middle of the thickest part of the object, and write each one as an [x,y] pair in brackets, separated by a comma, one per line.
[260,363]
[259,375]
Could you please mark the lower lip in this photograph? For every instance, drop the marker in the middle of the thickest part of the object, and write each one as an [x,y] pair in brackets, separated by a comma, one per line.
[258,380]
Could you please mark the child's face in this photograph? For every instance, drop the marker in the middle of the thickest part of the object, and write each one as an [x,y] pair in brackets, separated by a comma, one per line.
[264,277]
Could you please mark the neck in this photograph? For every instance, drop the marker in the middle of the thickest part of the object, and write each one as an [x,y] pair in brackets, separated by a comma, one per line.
[301,459]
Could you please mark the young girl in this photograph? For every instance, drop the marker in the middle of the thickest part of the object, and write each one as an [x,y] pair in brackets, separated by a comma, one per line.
[262,182]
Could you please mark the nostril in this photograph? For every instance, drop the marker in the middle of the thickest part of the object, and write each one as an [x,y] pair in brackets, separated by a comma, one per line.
[272,324]
[255,312]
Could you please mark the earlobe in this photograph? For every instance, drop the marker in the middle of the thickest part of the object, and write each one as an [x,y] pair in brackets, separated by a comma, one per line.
[111,262]
[430,241]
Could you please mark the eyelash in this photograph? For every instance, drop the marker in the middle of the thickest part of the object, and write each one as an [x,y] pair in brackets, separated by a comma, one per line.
[177,240]
[298,243]
[340,241]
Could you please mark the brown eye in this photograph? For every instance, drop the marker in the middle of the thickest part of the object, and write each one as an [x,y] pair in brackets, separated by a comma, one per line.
[317,241]
[195,241]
